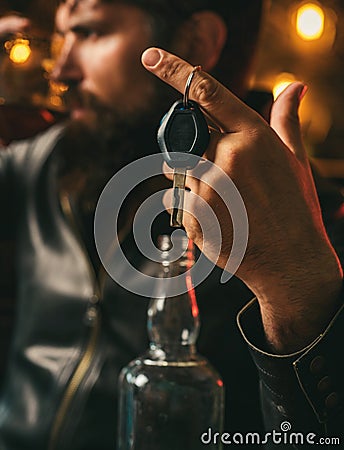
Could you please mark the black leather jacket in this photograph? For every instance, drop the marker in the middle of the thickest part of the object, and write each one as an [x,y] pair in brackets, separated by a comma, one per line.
[75,329]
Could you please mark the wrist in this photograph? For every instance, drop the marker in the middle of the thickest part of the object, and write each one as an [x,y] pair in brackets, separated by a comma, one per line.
[296,308]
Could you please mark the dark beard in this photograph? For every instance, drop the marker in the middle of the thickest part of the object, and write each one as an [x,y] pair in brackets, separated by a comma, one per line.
[115,140]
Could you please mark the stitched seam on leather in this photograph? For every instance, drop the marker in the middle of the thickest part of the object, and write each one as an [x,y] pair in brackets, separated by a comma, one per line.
[319,414]
[265,372]
[272,391]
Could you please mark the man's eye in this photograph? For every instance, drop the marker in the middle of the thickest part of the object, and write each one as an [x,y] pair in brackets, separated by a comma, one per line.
[86,32]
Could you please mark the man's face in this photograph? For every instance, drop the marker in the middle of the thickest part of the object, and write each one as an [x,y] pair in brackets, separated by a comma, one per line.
[100,61]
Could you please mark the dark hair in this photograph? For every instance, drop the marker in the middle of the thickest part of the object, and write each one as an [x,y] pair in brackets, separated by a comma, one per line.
[242,18]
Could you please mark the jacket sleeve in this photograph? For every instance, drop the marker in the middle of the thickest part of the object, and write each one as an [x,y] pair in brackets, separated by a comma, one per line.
[7,252]
[301,392]
[10,159]
[18,163]
[6,190]
[17,166]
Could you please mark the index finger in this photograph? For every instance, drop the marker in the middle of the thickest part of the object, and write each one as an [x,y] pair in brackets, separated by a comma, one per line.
[230,113]
[13,24]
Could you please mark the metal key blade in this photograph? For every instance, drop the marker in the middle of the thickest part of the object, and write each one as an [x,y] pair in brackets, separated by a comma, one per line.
[179,177]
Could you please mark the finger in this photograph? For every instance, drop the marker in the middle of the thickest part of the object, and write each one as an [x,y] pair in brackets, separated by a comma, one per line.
[13,24]
[219,103]
[285,119]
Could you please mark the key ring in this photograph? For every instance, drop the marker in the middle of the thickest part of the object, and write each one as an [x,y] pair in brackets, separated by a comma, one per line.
[188,84]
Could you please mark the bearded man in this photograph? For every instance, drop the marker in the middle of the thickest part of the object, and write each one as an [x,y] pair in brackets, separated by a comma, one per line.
[75,327]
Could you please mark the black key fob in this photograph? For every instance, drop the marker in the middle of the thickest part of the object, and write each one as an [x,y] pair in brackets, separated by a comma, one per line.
[183,132]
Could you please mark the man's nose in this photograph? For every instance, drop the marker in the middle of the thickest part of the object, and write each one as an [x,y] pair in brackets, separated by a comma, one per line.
[66,67]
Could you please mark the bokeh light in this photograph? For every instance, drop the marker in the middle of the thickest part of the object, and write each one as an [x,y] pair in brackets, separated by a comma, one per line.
[310,21]
[20,51]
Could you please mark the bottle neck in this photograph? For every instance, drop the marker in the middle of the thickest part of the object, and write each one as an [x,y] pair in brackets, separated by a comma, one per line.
[173,322]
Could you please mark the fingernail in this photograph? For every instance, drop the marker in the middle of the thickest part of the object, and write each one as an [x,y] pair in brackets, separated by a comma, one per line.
[151,57]
[303,92]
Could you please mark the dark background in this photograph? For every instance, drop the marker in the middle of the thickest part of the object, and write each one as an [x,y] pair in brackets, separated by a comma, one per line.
[318,63]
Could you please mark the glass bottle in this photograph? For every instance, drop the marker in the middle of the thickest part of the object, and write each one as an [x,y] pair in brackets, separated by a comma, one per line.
[171,395]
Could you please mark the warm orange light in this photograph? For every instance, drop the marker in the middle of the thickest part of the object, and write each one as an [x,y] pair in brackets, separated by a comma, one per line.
[310,19]
[189,283]
[56,101]
[20,51]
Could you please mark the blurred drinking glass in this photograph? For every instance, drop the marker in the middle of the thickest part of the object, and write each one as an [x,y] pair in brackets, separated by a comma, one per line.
[29,101]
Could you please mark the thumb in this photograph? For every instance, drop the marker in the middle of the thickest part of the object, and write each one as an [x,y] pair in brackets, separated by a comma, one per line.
[285,119]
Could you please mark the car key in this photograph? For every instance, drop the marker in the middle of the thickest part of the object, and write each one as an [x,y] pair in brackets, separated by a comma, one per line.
[182,135]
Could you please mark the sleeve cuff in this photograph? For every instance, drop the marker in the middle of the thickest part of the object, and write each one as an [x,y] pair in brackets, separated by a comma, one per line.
[315,372]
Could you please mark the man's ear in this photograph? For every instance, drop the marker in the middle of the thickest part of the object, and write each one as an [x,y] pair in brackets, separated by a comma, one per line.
[202,39]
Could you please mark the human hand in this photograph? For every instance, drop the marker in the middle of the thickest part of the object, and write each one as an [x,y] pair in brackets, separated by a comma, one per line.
[289,263]
[13,24]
